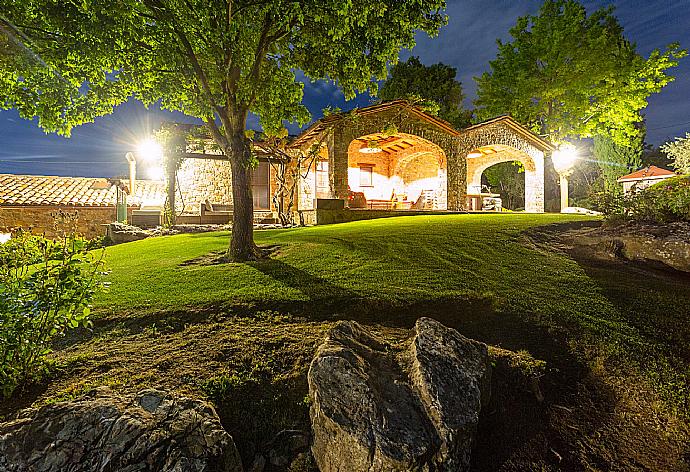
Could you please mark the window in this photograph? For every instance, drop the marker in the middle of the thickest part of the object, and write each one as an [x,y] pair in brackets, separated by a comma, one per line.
[261,186]
[366,176]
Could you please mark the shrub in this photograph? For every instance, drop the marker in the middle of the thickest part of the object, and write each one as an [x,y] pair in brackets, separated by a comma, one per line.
[663,202]
[45,290]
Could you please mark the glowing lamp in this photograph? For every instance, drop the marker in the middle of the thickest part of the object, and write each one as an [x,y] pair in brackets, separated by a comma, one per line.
[564,158]
[150,150]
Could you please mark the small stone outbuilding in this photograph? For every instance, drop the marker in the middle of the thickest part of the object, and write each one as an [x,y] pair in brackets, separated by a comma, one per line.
[32,202]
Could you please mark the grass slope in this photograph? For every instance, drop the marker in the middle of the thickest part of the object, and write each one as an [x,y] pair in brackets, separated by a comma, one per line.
[613,338]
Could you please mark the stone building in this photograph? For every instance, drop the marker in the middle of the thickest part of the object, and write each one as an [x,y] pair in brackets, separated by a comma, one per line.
[395,155]
[32,202]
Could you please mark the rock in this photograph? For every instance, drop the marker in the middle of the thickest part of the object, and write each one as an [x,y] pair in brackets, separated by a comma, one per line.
[286,445]
[151,431]
[375,410]
[119,233]
[667,244]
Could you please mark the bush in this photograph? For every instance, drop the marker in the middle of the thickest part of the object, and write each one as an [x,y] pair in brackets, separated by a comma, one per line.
[664,202]
[45,290]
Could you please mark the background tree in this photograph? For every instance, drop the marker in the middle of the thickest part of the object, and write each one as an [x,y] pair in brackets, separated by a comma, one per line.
[508,180]
[566,74]
[413,80]
[679,151]
[615,161]
[654,156]
[217,60]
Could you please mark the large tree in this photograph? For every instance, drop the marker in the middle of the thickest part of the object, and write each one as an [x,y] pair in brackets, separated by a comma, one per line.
[436,83]
[217,60]
[568,74]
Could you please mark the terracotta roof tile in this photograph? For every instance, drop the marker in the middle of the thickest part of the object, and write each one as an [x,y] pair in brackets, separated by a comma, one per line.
[20,190]
[651,172]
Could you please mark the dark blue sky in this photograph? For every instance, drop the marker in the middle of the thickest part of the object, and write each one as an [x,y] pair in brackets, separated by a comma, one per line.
[468,43]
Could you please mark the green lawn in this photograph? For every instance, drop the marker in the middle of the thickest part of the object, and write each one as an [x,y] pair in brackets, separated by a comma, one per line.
[396,260]
[614,338]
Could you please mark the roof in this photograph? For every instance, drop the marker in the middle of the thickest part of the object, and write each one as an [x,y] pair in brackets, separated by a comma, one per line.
[517,127]
[320,125]
[32,190]
[648,173]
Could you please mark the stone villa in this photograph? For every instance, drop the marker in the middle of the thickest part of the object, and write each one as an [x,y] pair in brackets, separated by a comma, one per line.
[379,160]
[399,157]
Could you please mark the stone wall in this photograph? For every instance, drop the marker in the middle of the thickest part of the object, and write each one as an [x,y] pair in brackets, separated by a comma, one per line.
[211,179]
[204,179]
[41,219]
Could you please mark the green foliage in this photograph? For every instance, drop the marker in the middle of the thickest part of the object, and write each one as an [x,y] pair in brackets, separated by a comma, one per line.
[432,87]
[567,74]
[663,202]
[679,151]
[74,61]
[616,161]
[46,287]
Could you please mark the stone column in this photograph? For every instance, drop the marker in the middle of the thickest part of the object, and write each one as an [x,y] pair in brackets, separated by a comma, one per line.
[457,178]
[534,185]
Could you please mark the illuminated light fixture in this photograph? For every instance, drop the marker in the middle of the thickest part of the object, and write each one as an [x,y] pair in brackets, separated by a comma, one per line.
[372,147]
[475,153]
[564,158]
[150,150]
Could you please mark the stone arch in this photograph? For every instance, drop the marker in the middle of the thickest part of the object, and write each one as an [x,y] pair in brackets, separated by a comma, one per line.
[407,122]
[498,142]
[497,154]
[408,165]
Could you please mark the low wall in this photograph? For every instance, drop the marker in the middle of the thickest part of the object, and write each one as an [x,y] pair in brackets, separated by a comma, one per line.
[327,217]
[41,219]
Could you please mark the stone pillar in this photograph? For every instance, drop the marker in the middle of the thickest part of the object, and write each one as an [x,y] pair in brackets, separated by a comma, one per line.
[457,178]
[534,185]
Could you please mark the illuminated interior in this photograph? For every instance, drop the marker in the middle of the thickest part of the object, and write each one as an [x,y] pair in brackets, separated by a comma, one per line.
[399,171]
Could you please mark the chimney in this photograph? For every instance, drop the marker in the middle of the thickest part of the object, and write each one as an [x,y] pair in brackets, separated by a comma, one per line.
[132,173]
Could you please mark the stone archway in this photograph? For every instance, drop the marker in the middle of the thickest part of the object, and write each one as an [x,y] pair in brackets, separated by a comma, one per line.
[406,167]
[503,140]
[496,154]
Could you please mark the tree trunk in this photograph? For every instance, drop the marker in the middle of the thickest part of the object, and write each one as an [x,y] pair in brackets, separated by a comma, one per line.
[242,247]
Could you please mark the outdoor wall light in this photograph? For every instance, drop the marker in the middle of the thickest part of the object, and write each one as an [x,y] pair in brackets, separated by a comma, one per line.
[564,158]
[152,153]
[150,150]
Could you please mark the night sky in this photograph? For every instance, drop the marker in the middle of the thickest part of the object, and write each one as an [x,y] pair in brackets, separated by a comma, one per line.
[468,43]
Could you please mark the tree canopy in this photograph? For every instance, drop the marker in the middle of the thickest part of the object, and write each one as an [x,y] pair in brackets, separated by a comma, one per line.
[679,153]
[217,60]
[436,83]
[569,74]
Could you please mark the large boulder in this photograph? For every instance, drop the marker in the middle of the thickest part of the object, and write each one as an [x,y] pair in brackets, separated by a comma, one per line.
[375,409]
[151,431]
